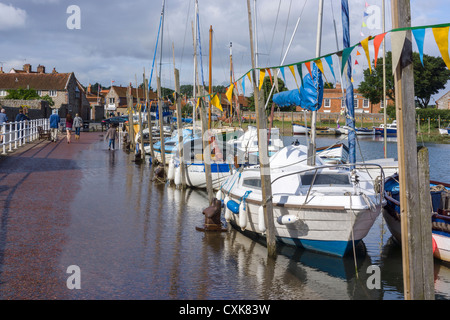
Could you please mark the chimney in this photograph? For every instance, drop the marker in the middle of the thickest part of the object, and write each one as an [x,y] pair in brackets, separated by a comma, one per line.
[54,70]
[40,69]
[89,88]
[338,85]
[27,68]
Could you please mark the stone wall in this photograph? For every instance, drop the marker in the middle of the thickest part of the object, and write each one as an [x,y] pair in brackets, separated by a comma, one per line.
[34,109]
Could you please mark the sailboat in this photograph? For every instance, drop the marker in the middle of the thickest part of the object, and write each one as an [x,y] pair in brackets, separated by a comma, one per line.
[320,207]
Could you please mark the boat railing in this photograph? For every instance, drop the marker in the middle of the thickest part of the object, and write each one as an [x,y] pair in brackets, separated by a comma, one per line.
[353,168]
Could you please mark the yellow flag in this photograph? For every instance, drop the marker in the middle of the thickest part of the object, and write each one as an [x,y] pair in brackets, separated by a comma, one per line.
[262,74]
[365,45]
[441,37]
[230,92]
[198,102]
[293,73]
[319,65]
[216,102]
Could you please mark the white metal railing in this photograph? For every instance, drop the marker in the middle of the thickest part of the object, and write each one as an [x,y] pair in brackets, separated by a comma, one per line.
[18,133]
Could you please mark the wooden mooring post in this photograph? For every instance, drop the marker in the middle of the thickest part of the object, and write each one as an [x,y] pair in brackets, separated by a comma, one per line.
[261,123]
[417,254]
[180,128]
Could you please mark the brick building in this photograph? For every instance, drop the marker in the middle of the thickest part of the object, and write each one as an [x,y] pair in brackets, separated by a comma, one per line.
[334,102]
[64,89]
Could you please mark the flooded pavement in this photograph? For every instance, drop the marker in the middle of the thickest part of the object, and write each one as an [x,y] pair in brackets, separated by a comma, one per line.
[79,204]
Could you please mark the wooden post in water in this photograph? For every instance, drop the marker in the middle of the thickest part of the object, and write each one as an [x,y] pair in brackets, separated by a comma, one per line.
[180,128]
[130,118]
[161,127]
[416,255]
[149,119]
[261,123]
[206,151]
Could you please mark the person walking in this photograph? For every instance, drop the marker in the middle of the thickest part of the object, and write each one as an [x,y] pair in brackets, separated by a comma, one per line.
[69,125]
[54,124]
[112,135]
[77,124]
[3,121]
[20,118]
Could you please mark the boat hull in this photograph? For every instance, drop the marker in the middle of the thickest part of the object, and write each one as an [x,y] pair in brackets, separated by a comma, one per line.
[299,129]
[196,178]
[331,231]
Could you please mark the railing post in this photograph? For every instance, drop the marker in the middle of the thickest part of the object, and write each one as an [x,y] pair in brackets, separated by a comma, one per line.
[4,138]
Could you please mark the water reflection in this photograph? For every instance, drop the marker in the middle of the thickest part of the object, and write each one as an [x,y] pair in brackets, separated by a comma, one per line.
[135,238]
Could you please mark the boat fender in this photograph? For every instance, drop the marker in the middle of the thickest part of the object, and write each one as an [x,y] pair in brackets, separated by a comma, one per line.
[287,219]
[233,206]
[242,215]
[227,211]
[171,171]
[219,195]
[434,245]
[177,178]
[261,221]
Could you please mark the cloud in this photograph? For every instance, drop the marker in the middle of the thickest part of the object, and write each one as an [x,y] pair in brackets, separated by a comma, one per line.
[11,17]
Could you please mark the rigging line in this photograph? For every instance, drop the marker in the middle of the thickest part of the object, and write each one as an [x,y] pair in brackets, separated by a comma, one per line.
[185,32]
[287,50]
[274,29]
[285,31]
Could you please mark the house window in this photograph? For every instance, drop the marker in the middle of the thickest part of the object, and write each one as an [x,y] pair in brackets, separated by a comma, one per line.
[111,100]
[343,103]
[355,103]
[39,92]
[3,93]
[327,103]
[52,93]
[365,103]
[382,104]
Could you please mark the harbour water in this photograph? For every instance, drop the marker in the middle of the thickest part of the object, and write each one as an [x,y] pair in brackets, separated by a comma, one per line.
[134,238]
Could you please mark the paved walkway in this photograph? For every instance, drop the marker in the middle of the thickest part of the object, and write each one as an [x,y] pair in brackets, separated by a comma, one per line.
[37,183]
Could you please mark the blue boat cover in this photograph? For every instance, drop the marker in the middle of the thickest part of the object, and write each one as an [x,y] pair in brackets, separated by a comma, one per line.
[309,96]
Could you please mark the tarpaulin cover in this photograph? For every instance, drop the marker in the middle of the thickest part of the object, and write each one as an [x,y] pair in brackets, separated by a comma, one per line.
[309,96]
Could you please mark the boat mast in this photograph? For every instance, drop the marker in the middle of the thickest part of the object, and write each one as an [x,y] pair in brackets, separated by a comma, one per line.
[312,146]
[210,74]
[194,91]
[384,84]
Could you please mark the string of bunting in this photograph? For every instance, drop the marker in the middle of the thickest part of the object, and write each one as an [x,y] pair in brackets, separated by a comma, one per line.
[398,36]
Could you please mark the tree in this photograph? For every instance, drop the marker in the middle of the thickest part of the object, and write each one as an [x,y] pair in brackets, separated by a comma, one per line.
[28,94]
[428,79]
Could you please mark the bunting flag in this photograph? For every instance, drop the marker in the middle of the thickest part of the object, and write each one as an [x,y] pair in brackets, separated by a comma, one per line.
[198,103]
[249,77]
[270,77]
[293,73]
[229,93]
[345,55]
[308,66]
[376,44]
[300,72]
[329,60]
[365,45]
[441,37]
[275,78]
[319,64]
[419,36]
[215,101]
[262,74]
[282,73]
[397,42]
[243,85]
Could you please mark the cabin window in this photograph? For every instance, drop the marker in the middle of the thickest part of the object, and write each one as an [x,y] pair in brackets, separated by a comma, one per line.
[252,183]
[326,179]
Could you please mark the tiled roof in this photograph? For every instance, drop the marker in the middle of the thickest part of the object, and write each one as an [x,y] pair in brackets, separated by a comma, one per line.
[37,81]
[122,92]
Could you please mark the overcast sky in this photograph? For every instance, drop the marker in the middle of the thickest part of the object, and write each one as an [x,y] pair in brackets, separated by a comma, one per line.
[117,38]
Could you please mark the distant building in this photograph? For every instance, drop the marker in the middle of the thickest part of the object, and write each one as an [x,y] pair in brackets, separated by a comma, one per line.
[116,99]
[64,89]
[443,102]
[334,102]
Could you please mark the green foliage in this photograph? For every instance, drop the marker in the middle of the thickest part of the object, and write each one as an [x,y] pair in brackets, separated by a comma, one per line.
[428,79]
[434,115]
[22,94]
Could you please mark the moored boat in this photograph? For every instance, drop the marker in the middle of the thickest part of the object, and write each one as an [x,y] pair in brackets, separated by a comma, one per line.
[391,129]
[322,208]
[440,217]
